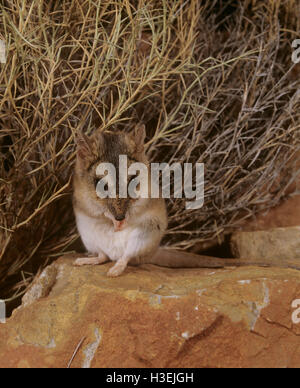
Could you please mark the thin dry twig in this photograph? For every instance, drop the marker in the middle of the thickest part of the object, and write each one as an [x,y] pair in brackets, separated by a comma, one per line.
[75,352]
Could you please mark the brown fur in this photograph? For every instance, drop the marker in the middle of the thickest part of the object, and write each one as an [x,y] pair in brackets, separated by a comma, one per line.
[106,148]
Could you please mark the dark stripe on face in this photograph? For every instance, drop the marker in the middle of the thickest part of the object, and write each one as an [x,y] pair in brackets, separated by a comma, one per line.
[93,164]
[114,147]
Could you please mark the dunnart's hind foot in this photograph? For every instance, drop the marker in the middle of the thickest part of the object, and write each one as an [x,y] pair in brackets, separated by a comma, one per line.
[90,261]
[117,269]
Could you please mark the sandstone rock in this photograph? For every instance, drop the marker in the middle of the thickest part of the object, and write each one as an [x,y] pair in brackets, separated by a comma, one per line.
[286,214]
[155,317]
[278,244]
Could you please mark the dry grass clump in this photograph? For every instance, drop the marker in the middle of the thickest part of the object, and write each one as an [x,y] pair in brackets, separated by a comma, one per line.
[213,82]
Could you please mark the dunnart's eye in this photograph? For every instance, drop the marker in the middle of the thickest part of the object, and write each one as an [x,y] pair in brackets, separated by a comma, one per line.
[133,187]
[133,177]
[96,180]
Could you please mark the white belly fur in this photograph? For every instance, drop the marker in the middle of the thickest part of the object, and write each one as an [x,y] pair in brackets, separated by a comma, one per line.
[99,236]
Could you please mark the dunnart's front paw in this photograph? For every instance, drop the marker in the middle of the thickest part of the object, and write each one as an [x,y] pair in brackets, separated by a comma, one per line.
[117,269]
[90,261]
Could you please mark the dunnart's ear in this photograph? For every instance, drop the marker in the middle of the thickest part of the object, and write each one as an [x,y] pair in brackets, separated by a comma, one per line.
[139,135]
[84,146]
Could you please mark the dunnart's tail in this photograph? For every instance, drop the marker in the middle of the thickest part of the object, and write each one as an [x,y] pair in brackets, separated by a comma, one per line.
[170,258]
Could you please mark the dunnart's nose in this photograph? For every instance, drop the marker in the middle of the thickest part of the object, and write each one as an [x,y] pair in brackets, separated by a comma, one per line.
[120,218]
[119,223]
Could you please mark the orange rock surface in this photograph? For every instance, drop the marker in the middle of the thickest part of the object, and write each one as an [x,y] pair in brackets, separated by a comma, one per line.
[155,317]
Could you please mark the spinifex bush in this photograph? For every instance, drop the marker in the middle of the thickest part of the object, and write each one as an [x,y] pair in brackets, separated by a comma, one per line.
[213,82]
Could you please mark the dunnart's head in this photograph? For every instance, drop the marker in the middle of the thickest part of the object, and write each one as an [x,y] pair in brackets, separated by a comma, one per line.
[106,147]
